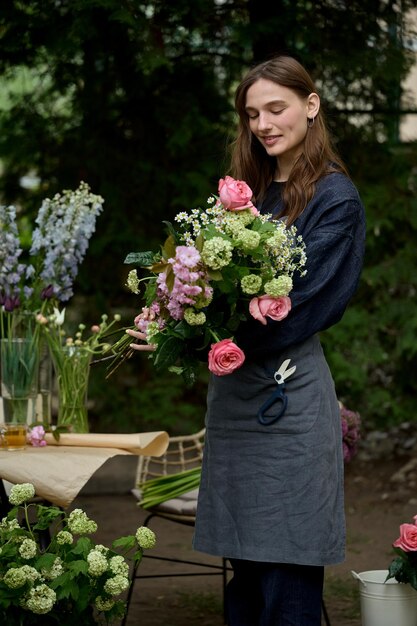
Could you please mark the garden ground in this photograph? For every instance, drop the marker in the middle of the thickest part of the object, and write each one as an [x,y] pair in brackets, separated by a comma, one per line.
[379,497]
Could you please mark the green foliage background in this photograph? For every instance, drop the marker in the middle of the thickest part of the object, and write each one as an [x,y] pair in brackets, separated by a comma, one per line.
[135,98]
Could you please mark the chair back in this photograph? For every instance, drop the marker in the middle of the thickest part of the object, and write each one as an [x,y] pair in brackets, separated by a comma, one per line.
[183,453]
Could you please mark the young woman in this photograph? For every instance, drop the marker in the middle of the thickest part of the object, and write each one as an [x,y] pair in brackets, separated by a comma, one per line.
[271,494]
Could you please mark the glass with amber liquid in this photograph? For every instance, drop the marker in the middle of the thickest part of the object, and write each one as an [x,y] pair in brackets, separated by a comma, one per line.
[13,436]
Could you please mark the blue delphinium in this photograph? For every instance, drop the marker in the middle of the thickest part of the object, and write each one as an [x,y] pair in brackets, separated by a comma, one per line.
[65,224]
[15,277]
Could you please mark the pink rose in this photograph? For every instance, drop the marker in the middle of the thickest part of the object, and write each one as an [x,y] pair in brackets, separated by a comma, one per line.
[266,306]
[407,540]
[224,357]
[235,195]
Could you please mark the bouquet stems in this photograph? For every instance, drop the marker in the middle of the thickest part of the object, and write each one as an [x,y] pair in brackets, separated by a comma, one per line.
[165,488]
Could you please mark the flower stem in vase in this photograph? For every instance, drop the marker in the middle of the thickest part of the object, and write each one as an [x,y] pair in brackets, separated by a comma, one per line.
[72,371]
[19,369]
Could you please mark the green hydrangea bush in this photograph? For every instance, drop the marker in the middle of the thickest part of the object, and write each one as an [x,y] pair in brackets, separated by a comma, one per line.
[71,580]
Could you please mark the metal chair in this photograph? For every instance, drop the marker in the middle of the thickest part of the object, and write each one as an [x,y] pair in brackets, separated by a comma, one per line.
[183,453]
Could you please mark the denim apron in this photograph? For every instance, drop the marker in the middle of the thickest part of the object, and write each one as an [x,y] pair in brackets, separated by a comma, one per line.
[274,492]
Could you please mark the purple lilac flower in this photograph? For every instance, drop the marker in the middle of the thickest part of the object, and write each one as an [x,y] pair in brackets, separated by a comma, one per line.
[189,282]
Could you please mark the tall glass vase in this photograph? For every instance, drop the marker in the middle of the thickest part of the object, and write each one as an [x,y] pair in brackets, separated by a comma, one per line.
[19,359]
[72,369]
[45,382]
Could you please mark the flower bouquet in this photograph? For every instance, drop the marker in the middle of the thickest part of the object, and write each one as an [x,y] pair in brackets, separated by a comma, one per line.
[71,580]
[404,567]
[219,266]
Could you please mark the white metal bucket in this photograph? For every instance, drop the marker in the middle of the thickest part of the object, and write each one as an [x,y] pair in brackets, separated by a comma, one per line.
[386,603]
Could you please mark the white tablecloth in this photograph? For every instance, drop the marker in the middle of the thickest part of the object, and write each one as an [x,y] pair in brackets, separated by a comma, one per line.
[60,470]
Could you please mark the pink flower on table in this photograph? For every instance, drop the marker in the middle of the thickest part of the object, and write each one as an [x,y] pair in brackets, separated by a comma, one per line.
[225,357]
[36,436]
[407,540]
[267,306]
[235,195]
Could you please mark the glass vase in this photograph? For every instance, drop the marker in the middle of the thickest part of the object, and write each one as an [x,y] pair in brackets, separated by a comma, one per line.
[19,362]
[44,397]
[72,371]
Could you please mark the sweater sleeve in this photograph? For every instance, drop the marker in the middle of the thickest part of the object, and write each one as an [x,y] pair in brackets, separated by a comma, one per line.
[334,249]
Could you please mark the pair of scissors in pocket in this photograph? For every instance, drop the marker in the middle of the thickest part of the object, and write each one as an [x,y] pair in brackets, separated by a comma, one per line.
[278,397]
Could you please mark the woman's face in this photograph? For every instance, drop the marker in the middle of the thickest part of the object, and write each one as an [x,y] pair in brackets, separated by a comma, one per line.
[278,118]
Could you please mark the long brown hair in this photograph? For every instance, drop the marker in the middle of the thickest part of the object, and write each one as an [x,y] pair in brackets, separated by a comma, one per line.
[250,161]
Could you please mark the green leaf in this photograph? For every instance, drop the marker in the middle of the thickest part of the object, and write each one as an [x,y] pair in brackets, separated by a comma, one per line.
[46,515]
[126,543]
[184,330]
[83,546]
[171,231]
[167,352]
[170,277]
[168,249]
[142,259]
[60,585]
[215,275]
[78,567]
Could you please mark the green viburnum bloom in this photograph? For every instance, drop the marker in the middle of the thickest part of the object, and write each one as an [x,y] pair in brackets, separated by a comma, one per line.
[21,493]
[64,537]
[53,572]
[28,549]
[31,573]
[97,563]
[193,318]
[101,548]
[80,524]
[249,239]
[104,604]
[277,239]
[132,281]
[117,584]
[118,565]
[40,599]
[15,577]
[233,224]
[251,284]
[244,218]
[145,537]
[152,330]
[217,252]
[9,524]
[277,287]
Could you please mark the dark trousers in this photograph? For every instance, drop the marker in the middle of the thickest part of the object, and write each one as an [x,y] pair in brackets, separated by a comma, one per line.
[274,594]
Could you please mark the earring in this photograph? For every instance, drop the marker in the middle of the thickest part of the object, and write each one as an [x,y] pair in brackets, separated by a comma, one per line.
[310,121]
